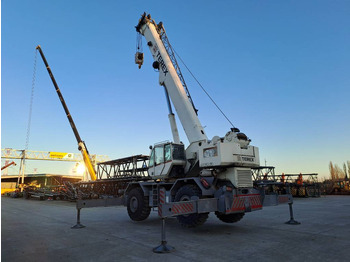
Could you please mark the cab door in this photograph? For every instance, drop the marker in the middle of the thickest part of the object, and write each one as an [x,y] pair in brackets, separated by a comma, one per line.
[151,164]
[158,160]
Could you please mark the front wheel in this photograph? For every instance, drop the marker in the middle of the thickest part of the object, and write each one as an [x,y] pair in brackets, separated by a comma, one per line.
[137,205]
[184,194]
[229,218]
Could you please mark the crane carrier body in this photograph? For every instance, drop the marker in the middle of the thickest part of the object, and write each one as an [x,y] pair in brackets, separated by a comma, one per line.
[209,175]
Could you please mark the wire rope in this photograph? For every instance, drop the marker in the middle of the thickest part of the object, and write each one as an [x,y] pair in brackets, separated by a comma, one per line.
[22,168]
[212,100]
[31,101]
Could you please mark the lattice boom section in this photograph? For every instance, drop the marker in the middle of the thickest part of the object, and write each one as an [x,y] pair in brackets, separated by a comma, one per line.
[9,153]
[100,188]
[128,167]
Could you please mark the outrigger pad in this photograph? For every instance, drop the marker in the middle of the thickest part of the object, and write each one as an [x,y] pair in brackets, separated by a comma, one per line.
[163,248]
[77,226]
[293,222]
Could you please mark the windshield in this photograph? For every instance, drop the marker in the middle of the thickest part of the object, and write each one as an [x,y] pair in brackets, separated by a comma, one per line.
[151,159]
[167,152]
[159,157]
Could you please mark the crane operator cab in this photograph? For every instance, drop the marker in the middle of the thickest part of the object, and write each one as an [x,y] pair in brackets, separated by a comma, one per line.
[167,160]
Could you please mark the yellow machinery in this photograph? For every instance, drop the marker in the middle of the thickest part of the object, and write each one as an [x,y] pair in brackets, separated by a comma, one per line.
[81,145]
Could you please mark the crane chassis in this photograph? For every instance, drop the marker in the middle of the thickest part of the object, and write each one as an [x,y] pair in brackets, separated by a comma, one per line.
[210,175]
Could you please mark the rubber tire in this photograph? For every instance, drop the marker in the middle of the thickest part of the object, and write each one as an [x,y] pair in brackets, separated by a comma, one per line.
[191,220]
[230,218]
[142,210]
[26,195]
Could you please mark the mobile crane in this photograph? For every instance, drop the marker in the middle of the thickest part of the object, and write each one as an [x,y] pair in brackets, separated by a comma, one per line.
[209,175]
[81,144]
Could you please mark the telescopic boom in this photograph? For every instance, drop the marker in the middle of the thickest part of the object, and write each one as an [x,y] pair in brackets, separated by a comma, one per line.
[82,147]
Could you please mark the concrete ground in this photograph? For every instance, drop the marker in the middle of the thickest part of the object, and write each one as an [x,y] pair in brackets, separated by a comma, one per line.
[33,230]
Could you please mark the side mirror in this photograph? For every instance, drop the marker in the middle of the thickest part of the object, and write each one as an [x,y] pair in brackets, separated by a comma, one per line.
[150,147]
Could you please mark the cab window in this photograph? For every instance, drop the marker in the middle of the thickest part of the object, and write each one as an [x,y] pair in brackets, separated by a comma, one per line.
[151,159]
[167,152]
[159,157]
[179,152]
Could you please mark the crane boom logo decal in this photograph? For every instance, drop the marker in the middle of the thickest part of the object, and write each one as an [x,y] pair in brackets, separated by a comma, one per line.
[162,63]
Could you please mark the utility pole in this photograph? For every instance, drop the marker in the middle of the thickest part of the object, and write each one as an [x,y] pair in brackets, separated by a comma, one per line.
[21,170]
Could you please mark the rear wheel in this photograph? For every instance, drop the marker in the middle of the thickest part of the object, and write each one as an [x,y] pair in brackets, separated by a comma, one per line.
[229,218]
[26,195]
[184,194]
[137,205]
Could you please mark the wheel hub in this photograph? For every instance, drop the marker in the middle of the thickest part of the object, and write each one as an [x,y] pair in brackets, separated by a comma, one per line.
[134,203]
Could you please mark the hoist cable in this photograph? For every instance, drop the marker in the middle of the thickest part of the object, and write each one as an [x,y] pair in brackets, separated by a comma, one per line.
[22,166]
[203,89]
[31,101]
[138,42]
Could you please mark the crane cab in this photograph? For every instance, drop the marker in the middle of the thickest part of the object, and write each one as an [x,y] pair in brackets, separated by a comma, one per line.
[167,160]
